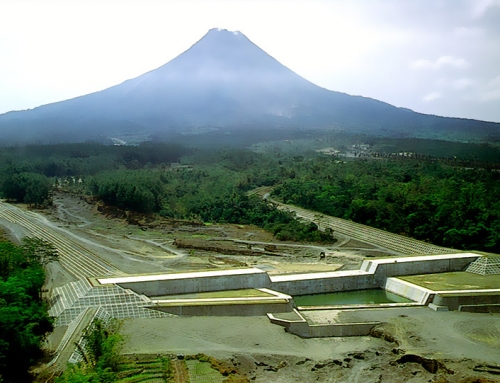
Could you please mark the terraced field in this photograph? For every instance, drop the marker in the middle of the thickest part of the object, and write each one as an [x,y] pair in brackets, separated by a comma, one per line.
[147,368]
[160,369]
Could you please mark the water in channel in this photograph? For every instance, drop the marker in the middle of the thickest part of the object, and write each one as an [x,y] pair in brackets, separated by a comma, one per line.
[358,297]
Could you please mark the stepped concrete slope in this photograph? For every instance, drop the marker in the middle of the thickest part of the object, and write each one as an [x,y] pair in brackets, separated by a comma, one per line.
[223,82]
[485,265]
[78,260]
[70,300]
[395,243]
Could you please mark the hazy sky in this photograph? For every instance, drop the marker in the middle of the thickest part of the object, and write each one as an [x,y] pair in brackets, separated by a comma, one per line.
[433,56]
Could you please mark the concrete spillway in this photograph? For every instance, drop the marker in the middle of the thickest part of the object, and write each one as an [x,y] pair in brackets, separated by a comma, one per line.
[378,273]
[372,274]
[194,282]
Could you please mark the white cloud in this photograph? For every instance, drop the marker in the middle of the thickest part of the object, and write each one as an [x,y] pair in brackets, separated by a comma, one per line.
[480,7]
[441,62]
[462,83]
[432,96]
[491,91]
[491,95]
[469,32]
[494,83]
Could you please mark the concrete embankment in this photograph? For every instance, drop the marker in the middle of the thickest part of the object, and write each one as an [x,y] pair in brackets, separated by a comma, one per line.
[409,290]
[298,325]
[467,300]
[195,282]
[373,274]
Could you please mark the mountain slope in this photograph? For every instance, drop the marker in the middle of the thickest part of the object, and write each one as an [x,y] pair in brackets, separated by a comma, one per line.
[222,81]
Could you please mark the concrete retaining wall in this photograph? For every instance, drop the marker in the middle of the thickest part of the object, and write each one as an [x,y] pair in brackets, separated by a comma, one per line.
[341,329]
[184,283]
[391,267]
[408,290]
[317,283]
[372,274]
[298,328]
[234,309]
[299,325]
[486,308]
[474,299]
[303,329]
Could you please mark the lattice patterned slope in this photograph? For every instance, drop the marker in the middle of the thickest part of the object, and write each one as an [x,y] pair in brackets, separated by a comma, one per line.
[76,357]
[485,266]
[72,299]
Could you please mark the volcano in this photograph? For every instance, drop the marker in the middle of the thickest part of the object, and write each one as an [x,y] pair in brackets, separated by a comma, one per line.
[224,81]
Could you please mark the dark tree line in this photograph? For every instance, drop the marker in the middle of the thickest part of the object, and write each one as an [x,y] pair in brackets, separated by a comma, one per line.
[211,194]
[131,190]
[27,173]
[241,209]
[63,160]
[31,188]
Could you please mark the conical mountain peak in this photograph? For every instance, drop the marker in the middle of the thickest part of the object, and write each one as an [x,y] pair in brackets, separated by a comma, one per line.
[223,50]
[225,81]
[222,31]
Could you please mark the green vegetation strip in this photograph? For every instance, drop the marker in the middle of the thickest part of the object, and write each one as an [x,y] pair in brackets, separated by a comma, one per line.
[244,293]
[464,294]
[202,372]
[24,321]
[222,303]
[143,377]
[454,281]
[144,368]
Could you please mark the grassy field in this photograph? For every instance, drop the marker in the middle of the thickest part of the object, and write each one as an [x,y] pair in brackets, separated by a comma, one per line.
[455,281]
[202,372]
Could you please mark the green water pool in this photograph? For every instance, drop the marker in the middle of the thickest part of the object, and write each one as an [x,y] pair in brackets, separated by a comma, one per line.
[358,297]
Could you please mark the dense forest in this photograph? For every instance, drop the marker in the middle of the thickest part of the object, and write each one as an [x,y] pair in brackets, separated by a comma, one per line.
[442,204]
[24,321]
[447,201]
